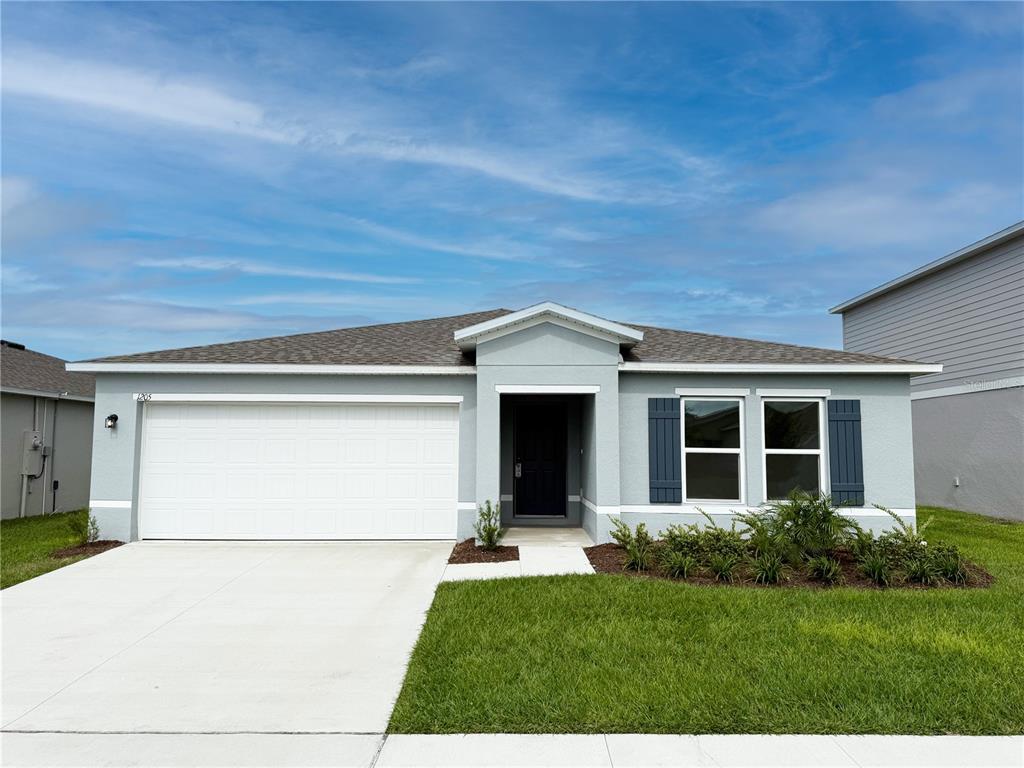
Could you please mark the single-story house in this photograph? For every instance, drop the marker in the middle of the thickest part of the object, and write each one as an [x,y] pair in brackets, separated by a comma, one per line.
[400,431]
[45,433]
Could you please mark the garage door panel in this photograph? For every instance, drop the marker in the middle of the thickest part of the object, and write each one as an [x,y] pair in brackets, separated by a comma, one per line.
[299,471]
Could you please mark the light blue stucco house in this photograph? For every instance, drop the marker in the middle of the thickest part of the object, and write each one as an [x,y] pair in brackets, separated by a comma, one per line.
[399,431]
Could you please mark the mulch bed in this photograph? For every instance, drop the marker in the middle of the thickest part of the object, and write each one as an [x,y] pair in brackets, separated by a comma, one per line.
[468,552]
[92,548]
[611,558]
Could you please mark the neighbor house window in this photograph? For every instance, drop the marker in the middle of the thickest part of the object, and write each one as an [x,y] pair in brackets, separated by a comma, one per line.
[793,452]
[712,449]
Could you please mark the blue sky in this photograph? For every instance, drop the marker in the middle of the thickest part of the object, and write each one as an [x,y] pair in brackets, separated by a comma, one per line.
[179,174]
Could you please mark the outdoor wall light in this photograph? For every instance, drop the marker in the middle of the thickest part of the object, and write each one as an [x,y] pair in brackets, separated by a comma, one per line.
[111,421]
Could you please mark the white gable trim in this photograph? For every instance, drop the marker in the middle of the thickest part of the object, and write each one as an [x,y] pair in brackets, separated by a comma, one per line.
[548,311]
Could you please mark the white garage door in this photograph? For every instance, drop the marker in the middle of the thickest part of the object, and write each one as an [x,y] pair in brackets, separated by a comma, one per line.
[320,471]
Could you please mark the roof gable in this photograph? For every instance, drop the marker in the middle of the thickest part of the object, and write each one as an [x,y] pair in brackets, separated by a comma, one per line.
[548,311]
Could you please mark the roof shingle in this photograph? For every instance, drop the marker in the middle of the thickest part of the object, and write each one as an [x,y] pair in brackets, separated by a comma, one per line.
[431,342]
[26,369]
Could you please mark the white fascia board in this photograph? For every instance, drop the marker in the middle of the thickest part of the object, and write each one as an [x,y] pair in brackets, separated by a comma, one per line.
[47,395]
[276,368]
[205,397]
[895,368]
[466,337]
[792,392]
[712,392]
[547,389]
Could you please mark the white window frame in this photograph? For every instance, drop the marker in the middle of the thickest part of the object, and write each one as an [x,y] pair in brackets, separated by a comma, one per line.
[741,401]
[823,477]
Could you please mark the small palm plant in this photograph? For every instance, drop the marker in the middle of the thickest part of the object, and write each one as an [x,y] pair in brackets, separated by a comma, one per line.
[488,525]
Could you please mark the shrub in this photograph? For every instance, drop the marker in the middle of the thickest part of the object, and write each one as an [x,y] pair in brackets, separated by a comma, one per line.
[488,525]
[677,564]
[949,563]
[861,542]
[621,533]
[875,565]
[723,565]
[84,528]
[811,522]
[639,550]
[715,540]
[905,543]
[765,535]
[768,568]
[826,569]
[682,539]
[922,570]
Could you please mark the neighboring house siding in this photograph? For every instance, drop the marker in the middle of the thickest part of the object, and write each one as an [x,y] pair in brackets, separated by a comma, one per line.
[66,426]
[969,419]
[968,316]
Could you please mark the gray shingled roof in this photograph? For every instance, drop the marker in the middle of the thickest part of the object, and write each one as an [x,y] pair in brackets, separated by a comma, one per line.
[431,342]
[28,370]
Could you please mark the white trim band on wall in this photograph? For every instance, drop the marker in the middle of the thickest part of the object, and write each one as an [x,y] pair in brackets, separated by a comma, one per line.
[712,392]
[270,368]
[969,388]
[465,506]
[794,392]
[607,509]
[547,389]
[107,504]
[730,509]
[187,397]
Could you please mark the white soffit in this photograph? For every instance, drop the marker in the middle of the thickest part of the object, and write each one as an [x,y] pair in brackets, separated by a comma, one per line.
[467,338]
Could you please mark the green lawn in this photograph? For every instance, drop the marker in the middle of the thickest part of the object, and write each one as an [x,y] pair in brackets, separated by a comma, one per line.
[26,544]
[618,654]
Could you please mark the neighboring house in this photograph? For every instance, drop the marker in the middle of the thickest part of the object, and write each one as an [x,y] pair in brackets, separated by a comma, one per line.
[399,431]
[45,433]
[965,311]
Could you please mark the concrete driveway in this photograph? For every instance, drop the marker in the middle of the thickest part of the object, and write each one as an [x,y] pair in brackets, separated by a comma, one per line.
[217,638]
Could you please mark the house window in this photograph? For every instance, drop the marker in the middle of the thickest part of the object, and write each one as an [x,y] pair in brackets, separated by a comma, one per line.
[713,449]
[793,447]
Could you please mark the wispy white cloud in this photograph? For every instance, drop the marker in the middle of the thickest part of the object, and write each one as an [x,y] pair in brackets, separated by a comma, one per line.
[146,95]
[494,248]
[249,267]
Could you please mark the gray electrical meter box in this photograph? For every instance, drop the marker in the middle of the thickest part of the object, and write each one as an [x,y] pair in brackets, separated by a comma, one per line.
[32,452]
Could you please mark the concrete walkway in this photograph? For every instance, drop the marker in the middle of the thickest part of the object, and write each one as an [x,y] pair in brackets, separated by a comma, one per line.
[578,751]
[542,552]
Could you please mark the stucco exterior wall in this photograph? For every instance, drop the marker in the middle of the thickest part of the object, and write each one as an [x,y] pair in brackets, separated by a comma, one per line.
[549,354]
[115,451]
[886,432]
[978,440]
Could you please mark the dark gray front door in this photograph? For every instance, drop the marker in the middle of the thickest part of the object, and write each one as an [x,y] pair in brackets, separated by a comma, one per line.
[539,453]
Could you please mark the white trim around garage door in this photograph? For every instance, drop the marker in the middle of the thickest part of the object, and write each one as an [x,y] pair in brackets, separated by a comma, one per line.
[547,389]
[226,397]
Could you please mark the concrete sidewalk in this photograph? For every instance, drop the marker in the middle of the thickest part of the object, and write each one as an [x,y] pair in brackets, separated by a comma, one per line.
[580,751]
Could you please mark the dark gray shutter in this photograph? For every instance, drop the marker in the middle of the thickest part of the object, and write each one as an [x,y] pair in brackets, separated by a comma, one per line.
[845,452]
[663,450]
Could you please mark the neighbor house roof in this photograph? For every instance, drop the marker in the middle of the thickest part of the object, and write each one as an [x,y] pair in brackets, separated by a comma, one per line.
[24,371]
[432,344]
[974,249]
